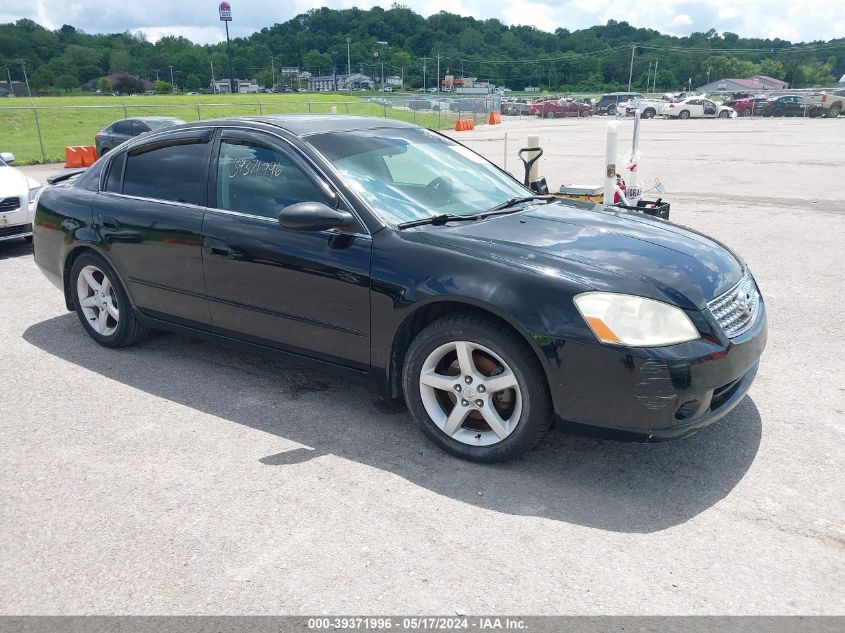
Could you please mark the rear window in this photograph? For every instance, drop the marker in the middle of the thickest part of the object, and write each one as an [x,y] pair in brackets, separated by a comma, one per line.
[175,171]
[158,124]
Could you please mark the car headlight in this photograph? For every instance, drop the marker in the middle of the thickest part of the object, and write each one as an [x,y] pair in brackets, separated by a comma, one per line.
[33,194]
[634,321]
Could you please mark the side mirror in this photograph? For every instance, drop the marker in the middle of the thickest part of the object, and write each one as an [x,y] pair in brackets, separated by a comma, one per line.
[314,216]
[7,157]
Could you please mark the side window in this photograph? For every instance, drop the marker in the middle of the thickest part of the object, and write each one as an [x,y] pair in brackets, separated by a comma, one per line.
[122,127]
[114,179]
[255,179]
[172,171]
[138,128]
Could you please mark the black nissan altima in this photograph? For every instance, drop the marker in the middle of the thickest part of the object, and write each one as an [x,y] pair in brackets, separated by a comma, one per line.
[393,253]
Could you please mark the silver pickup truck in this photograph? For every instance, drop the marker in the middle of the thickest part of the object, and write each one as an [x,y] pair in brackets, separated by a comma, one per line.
[826,104]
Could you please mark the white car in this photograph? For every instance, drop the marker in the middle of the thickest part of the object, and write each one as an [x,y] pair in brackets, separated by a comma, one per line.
[697,108]
[18,197]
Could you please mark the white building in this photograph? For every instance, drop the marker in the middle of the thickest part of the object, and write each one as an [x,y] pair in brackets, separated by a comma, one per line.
[242,86]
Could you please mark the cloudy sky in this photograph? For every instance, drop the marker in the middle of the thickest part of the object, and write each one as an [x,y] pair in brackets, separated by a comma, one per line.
[795,20]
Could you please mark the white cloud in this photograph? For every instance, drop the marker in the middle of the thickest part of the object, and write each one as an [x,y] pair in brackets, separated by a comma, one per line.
[797,20]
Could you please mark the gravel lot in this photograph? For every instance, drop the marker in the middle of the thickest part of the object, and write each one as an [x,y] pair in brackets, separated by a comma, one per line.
[179,477]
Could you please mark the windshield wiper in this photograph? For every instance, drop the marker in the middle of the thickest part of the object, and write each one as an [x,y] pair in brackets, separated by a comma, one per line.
[508,205]
[499,209]
[437,220]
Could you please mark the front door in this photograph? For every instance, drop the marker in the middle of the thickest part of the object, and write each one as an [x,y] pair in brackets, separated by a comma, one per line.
[306,291]
[710,109]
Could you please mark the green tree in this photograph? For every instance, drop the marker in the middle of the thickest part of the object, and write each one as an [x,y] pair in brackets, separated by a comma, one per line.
[104,85]
[67,82]
[162,87]
[43,78]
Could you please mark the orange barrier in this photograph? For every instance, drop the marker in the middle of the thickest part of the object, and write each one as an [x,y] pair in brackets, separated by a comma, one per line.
[495,118]
[80,155]
[73,158]
[461,125]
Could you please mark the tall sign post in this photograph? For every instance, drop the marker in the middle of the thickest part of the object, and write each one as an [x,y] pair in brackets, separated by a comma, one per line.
[226,17]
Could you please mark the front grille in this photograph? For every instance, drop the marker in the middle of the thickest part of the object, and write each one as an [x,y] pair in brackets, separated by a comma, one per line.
[737,309]
[10,204]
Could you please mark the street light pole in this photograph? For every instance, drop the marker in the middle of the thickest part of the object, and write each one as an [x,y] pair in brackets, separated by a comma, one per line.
[631,70]
[172,85]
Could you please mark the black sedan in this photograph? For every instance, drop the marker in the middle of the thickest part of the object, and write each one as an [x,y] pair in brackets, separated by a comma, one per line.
[786,105]
[393,253]
[113,135]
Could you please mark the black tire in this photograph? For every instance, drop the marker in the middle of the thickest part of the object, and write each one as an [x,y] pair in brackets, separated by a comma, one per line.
[745,113]
[550,115]
[724,114]
[833,111]
[537,412]
[777,112]
[129,329]
[611,110]
[684,114]
[649,113]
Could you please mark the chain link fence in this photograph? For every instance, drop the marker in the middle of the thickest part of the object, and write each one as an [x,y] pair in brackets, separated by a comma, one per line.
[40,133]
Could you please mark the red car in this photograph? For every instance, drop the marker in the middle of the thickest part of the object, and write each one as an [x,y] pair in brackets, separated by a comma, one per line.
[560,108]
[747,106]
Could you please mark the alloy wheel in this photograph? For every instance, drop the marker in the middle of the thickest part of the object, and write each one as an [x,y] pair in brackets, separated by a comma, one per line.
[470,393]
[98,300]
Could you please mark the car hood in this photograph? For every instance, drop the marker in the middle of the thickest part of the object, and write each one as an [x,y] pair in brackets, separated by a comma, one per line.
[13,182]
[603,248]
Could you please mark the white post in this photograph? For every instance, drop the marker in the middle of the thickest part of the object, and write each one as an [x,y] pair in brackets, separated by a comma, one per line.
[610,162]
[533,141]
[334,109]
[505,161]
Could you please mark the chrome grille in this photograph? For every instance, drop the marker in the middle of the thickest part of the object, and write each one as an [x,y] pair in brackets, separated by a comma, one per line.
[10,204]
[737,309]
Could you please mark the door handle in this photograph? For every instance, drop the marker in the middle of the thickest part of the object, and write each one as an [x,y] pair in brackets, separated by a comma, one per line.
[217,247]
[109,223]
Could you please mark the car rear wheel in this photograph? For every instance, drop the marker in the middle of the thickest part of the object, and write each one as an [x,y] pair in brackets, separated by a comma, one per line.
[102,304]
[833,111]
[476,388]
[649,113]
[745,112]
[777,112]
[611,110]
[550,115]
[684,114]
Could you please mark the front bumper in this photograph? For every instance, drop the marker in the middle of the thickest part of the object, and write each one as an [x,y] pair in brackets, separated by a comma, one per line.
[658,393]
[16,224]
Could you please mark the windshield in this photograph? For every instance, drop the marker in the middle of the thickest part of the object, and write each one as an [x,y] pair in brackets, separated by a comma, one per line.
[409,174]
[156,124]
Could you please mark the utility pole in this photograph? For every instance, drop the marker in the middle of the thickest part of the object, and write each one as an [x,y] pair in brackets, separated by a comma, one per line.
[648,77]
[654,81]
[213,85]
[172,85]
[438,74]
[425,60]
[631,71]
[9,75]
[272,72]
[348,65]
[34,110]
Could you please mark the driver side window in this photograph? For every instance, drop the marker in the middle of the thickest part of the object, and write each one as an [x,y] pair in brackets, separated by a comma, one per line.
[255,179]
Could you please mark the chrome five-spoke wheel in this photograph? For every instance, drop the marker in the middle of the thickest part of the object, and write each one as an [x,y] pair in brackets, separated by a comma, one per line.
[98,300]
[470,393]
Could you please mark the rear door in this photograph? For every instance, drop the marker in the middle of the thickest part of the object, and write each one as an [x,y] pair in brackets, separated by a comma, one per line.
[150,218]
[305,291]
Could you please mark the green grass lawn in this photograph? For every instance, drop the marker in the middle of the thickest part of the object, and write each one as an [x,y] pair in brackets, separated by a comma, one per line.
[74,120]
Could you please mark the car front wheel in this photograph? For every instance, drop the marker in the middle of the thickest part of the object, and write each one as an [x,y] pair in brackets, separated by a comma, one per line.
[724,114]
[476,388]
[102,304]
